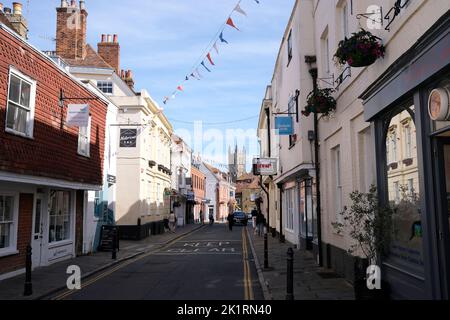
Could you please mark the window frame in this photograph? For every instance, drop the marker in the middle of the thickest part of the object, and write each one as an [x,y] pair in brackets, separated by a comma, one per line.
[338,187]
[32,105]
[289,47]
[345,20]
[81,152]
[71,214]
[12,248]
[105,83]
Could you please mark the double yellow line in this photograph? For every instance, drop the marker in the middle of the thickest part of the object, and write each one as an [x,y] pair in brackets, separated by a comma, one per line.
[248,287]
[122,265]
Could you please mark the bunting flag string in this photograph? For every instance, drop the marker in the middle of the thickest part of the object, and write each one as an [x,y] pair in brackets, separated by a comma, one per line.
[194,73]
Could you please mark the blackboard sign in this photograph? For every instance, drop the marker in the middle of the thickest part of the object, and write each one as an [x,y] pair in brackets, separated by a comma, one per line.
[128,138]
[109,233]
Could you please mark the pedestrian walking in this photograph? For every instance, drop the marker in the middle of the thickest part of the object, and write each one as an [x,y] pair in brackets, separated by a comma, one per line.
[201,217]
[254,215]
[260,221]
[230,221]
[173,222]
[211,219]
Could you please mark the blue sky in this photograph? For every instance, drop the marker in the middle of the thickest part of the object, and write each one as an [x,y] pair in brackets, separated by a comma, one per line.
[161,40]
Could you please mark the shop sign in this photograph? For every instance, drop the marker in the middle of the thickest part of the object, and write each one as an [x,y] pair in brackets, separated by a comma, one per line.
[438,105]
[128,138]
[265,167]
[111,179]
[78,115]
[284,126]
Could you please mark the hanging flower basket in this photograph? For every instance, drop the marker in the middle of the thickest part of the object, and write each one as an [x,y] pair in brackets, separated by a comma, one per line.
[320,101]
[361,50]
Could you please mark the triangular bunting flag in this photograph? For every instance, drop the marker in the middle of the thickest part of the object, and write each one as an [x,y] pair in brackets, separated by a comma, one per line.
[257,1]
[187,78]
[231,23]
[203,64]
[209,58]
[198,73]
[215,47]
[239,9]
[194,76]
[222,39]
[180,88]
[165,100]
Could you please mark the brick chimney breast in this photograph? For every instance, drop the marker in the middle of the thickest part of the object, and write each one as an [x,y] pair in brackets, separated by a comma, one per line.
[71,24]
[109,50]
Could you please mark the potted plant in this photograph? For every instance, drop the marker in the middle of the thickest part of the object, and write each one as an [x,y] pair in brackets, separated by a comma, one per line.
[320,101]
[371,227]
[360,50]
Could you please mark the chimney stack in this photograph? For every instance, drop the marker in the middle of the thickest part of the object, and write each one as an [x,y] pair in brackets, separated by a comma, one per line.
[109,50]
[129,79]
[17,20]
[17,8]
[1,7]
[71,30]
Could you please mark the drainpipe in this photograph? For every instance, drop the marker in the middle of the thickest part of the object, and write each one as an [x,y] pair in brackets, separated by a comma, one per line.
[313,72]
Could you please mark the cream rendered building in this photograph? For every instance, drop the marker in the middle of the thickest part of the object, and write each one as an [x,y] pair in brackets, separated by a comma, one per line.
[143,162]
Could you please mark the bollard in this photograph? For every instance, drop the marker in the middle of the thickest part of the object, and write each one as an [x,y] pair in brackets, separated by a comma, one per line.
[114,248]
[266,252]
[290,275]
[28,263]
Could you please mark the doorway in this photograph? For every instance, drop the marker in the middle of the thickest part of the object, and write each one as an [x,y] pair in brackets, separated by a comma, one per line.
[37,236]
[443,205]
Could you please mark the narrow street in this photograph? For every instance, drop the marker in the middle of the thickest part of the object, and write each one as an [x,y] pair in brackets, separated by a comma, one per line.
[211,263]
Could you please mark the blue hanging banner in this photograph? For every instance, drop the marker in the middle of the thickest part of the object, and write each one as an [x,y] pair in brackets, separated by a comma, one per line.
[284,126]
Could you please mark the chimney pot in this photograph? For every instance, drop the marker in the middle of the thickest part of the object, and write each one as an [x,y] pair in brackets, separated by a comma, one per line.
[64,4]
[109,38]
[73,4]
[1,6]
[17,8]
[82,5]
[7,10]
[103,38]
[116,38]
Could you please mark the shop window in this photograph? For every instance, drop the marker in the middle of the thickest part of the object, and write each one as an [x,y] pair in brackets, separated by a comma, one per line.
[404,196]
[60,217]
[290,208]
[20,104]
[338,192]
[7,223]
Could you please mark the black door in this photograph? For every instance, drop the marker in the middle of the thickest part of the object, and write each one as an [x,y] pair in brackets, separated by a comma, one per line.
[442,175]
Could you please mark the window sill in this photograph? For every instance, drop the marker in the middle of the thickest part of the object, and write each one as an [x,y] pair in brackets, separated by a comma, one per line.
[18,134]
[60,244]
[84,156]
[9,252]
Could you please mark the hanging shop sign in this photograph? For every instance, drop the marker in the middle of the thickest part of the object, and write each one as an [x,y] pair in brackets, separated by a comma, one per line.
[128,138]
[438,105]
[265,167]
[284,126]
[78,115]
[111,179]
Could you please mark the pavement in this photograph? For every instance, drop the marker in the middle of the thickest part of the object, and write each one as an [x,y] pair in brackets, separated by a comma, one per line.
[211,263]
[49,280]
[311,282]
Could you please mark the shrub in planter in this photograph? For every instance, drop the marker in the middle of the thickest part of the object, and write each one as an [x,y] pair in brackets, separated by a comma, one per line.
[320,101]
[370,226]
[360,50]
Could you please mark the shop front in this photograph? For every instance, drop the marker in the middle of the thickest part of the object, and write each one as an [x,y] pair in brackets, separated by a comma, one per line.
[409,105]
[49,218]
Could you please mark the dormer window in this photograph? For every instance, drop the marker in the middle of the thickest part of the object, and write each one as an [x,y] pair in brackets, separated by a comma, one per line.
[105,86]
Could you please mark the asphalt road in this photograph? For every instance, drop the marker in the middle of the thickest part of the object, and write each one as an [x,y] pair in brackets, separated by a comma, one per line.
[211,263]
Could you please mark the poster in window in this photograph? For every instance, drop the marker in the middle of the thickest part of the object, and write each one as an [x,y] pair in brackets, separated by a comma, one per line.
[128,138]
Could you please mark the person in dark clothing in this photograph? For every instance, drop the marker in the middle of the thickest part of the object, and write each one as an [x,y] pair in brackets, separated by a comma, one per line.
[254,215]
[260,222]
[230,221]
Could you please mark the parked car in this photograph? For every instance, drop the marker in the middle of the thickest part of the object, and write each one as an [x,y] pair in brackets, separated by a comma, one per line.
[240,218]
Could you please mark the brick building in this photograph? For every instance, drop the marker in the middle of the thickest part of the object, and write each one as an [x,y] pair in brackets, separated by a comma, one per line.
[45,165]
[199,189]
